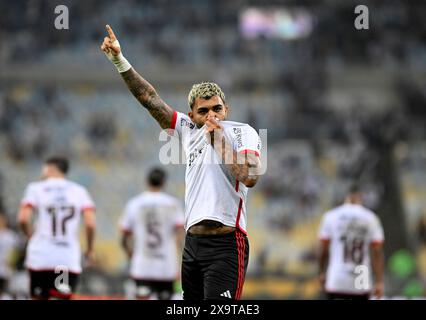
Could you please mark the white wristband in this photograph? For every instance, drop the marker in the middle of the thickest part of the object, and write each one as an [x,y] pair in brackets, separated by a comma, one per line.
[119,61]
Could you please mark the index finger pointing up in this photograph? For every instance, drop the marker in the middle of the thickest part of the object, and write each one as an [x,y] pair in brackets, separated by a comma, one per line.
[111,33]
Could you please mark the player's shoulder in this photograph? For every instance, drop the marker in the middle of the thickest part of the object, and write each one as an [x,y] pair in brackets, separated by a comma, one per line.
[368,213]
[333,214]
[355,210]
[75,186]
[185,121]
[140,199]
[34,185]
[170,198]
[236,127]
[162,198]
[136,199]
[366,210]
[39,185]
[334,211]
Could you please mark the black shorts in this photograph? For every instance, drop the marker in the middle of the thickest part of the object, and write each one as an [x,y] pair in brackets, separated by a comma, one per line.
[162,290]
[42,284]
[214,266]
[3,285]
[346,296]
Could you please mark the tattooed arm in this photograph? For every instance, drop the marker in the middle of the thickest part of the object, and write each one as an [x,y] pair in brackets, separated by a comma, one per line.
[143,91]
[245,167]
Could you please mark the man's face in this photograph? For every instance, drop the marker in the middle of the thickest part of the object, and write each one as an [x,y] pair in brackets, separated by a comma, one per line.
[204,108]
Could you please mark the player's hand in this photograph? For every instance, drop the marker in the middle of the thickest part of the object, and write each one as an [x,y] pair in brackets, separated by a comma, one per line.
[111,46]
[212,126]
[378,289]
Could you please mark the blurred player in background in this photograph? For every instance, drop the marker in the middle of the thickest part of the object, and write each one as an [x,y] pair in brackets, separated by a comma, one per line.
[9,242]
[349,235]
[154,221]
[54,244]
[222,163]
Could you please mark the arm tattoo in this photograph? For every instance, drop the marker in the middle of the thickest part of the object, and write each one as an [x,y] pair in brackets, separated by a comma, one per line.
[244,167]
[145,93]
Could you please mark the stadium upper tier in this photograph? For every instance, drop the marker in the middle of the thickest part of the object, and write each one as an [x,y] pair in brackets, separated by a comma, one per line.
[206,33]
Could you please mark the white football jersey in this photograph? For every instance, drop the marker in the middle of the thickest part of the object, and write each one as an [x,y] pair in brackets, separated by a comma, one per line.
[9,242]
[212,193]
[59,204]
[152,219]
[351,229]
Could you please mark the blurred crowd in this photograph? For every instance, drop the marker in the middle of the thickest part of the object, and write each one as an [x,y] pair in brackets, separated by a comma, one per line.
[191,32]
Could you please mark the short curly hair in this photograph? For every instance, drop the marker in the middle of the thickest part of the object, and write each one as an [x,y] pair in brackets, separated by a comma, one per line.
[204,90]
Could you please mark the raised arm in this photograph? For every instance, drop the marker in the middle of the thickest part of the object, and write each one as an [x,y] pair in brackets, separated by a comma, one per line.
[148,97]
[141,89]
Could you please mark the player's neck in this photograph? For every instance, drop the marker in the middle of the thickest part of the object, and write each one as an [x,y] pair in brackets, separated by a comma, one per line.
[353,201]
[55,176]
[154,189]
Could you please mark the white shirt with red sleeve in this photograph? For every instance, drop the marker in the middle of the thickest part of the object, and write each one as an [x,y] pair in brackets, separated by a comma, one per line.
[58,204]
[212,193]
[350,230]
[152,218]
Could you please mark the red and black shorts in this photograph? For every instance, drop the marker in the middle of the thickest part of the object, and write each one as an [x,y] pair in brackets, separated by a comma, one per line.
[48,284]
[3,284]
[214,266]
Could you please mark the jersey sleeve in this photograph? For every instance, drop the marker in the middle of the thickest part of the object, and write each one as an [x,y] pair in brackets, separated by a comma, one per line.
[376,235]
[181,125]
[86,201]
[126,221]
[247,141]
[30,197]
[325,231]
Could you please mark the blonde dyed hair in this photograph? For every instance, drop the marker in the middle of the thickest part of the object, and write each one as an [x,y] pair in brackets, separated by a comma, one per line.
[204,90]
